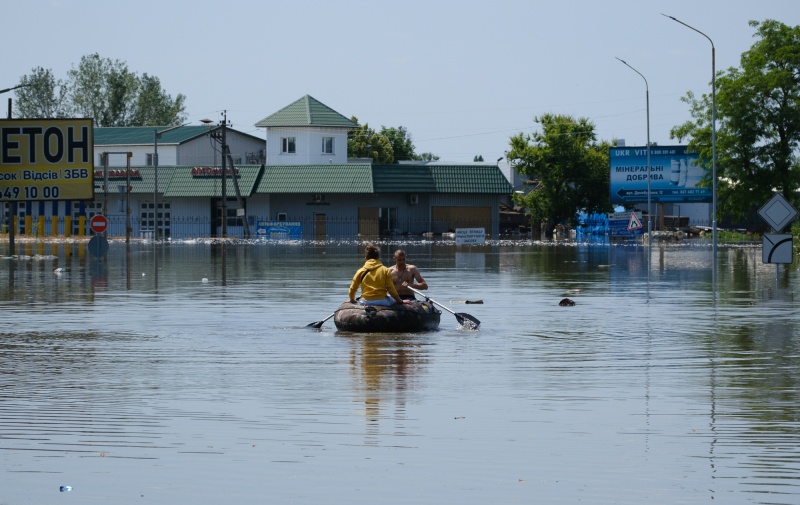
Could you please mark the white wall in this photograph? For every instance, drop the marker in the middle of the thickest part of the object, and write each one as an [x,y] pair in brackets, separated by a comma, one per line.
[201,151]
[308,146]
[166,155]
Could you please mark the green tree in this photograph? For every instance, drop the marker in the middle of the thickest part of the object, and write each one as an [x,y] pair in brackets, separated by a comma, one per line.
[97,88]
[477,158]
[104,90]
[364,142]
[758,123]
[400,139]
[154,107]
[390,145]
[43,96]
[426,157]
[568,166]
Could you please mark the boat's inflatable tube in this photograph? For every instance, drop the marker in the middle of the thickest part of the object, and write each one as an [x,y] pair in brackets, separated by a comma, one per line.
[408,317]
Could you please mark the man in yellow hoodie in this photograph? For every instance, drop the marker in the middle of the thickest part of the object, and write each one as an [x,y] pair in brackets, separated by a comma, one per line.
[375,280]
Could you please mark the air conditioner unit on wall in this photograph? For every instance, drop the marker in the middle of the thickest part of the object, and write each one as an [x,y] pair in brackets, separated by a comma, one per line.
[413,199]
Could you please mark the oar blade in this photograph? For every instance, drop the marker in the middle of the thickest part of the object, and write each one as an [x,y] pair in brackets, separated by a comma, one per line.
[467,321]
[319,324]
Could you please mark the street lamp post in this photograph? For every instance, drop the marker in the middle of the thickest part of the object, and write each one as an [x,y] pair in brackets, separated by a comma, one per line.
[713,138]
[13,206]
[649,209]
[9,100]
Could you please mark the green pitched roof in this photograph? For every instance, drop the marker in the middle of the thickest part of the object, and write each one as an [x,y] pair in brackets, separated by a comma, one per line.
[349,178]
[179,181]
[366,178]
[183,183]
[486,179]
[141,179]
[307,111]
[403,178]
[145,135]
[292,179]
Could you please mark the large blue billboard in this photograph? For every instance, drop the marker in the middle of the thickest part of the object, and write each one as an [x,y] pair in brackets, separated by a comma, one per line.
[674,175]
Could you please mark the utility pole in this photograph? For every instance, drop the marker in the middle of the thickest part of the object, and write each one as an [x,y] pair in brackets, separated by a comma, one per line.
[241,213]
[224,177]
[128,228]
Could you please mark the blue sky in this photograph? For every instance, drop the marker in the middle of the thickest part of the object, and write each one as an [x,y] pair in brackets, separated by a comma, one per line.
[461,76]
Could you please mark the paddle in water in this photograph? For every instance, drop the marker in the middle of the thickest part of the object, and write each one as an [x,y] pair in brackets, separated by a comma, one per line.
[465,320]
[319,324]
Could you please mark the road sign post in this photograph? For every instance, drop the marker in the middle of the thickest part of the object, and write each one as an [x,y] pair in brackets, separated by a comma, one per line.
[777,248]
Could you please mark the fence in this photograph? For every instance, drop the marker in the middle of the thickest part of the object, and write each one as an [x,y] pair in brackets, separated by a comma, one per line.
[591,229]
[189,227]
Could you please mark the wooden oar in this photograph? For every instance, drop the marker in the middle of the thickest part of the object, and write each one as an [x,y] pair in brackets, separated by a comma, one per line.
[318,324]
[463,319]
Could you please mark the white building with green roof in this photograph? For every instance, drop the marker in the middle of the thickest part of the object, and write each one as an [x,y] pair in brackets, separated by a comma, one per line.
[299,174]
[306,132]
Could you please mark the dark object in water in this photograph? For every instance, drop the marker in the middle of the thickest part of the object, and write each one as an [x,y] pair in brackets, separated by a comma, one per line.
[414,317]
[566,302]
[474,301]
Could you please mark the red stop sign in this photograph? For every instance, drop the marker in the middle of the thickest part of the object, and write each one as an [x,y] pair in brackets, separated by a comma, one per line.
[98,223]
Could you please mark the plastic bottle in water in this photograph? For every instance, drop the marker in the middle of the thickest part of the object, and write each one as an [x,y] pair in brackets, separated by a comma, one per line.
[65,488]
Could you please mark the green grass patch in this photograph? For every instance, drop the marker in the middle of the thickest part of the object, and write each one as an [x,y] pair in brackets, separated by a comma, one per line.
[737,236]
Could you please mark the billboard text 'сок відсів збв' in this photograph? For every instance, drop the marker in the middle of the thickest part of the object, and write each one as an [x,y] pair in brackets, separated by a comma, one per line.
[46,159]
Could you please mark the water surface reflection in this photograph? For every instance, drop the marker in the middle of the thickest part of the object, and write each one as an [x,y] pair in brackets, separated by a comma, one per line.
[173,373]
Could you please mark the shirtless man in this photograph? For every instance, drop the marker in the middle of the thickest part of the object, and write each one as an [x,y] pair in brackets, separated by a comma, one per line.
[404,275]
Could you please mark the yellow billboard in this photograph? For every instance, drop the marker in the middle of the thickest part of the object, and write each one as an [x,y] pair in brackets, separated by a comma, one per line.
[46,159]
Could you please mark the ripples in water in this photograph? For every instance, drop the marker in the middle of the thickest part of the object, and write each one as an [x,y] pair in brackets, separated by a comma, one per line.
[136,381]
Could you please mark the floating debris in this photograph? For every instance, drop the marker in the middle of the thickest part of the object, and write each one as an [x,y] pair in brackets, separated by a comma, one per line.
[566,302]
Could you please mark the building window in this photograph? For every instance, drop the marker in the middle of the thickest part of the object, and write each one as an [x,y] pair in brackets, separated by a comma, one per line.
[288,145]
[327,145]
[90,208]
[160,222]
[387,220]
[149,160]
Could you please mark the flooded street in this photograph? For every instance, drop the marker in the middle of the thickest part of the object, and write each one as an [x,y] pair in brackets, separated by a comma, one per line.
[186,373]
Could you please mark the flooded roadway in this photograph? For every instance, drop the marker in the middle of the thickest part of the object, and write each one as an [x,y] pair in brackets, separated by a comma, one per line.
[186,373]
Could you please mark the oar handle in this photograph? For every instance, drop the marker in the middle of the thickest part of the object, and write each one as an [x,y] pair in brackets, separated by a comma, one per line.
[431,299]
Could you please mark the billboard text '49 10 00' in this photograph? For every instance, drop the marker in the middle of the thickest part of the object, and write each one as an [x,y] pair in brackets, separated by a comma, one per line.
[46,159]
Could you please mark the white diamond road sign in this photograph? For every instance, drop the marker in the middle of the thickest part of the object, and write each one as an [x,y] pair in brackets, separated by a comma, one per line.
[778,212]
